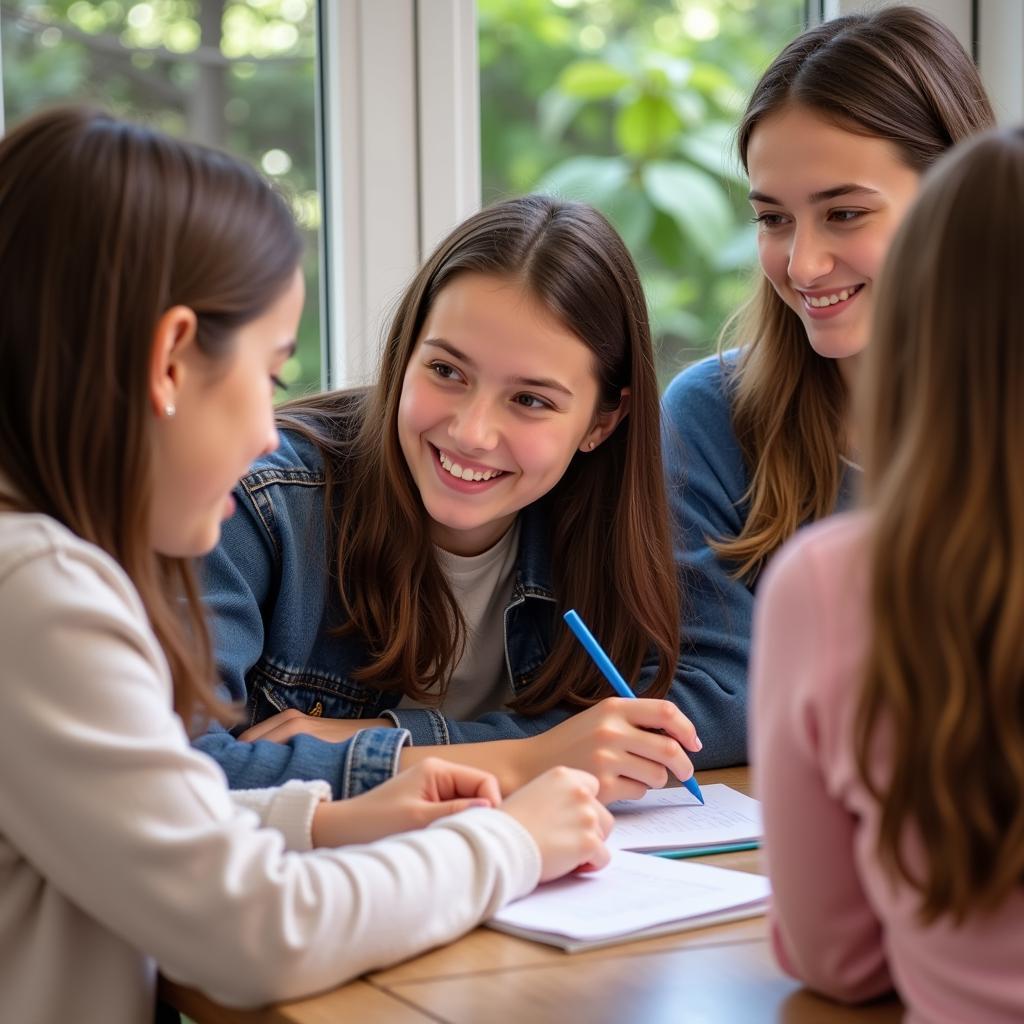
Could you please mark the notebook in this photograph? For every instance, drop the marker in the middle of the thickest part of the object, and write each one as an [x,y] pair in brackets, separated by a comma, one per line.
[673,823]
[635,897]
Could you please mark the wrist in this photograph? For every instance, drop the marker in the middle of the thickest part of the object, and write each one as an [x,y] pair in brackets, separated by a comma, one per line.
[329,823]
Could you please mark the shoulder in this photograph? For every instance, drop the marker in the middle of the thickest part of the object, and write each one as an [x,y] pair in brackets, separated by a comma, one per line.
[44,545]
[297,459]
[814,600]
[698,441]
[697,413]
[825,557]
[47,574]
[702,388]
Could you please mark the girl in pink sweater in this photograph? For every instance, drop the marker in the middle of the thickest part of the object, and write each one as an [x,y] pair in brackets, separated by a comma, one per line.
[888,668]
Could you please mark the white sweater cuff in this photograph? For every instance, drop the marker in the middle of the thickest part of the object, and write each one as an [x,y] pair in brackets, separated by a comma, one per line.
[289,808]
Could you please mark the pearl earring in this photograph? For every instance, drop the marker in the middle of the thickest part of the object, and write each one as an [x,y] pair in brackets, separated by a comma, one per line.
[169,411]
[590,446]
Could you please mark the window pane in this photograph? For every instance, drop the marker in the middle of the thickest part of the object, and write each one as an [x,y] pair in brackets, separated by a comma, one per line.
[632,106]
[239,76]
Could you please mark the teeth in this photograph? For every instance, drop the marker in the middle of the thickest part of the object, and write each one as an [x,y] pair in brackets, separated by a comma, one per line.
[820,302]
[475,475]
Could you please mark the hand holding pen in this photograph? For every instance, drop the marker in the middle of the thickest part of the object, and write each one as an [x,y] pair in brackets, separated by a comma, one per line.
[612,674]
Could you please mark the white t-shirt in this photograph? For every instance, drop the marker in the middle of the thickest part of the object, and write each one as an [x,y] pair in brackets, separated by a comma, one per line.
[122,848]
[482,585]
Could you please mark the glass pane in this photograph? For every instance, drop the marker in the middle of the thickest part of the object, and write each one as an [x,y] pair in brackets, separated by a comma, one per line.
[632,105]
[236,75]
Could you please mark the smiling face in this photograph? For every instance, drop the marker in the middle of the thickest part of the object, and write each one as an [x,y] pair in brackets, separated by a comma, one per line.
[828,203]
[497,398]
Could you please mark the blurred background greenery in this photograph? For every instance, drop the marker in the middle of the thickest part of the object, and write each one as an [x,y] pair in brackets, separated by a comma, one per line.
[237,75]
[629,104]
[632,105]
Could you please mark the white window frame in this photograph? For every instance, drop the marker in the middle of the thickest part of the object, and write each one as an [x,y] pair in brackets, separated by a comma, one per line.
[400,144]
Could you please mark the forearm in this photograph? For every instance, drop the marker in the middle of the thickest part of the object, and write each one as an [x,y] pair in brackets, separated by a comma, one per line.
[510,761]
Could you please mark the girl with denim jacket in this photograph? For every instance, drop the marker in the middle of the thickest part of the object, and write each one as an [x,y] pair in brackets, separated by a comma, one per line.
[153,291]
[403,560]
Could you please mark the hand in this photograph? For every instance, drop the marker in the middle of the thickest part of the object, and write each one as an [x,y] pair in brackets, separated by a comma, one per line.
[280,728]
[629,745]
[412,799]
[561,811]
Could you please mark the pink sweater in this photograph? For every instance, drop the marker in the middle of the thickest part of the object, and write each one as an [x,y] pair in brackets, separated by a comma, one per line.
[839,923]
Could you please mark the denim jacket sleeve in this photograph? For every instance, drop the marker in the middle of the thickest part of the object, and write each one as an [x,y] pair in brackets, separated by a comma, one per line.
[240,589]
[428,726]
[706,479]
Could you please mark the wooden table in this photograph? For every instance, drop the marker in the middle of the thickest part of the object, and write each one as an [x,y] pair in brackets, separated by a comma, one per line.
[721,973]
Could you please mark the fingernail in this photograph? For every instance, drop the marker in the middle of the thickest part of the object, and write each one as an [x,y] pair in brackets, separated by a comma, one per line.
[479,803]
[700,746]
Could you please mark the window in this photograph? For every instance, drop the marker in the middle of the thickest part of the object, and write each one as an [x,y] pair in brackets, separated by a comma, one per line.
[236,75]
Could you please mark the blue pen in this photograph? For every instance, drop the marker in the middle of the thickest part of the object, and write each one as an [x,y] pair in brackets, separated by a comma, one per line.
[612,674]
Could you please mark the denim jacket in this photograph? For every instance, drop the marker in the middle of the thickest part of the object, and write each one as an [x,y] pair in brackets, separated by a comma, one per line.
[273,606]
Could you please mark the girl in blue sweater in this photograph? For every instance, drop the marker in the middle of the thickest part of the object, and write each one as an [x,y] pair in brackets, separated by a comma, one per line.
[834,139]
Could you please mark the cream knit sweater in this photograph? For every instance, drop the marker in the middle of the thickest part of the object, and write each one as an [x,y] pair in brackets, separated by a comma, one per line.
[122,849]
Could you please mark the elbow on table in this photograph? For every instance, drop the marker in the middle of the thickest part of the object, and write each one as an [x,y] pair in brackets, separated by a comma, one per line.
[844,974]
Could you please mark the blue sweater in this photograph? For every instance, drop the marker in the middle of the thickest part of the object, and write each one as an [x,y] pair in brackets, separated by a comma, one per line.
[707,478]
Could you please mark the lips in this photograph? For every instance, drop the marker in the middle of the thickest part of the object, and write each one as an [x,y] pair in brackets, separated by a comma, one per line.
[454,468]
[824,300]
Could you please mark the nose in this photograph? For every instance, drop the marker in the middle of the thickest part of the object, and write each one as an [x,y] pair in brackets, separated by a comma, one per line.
[809,256]
[474,426]
[271,440]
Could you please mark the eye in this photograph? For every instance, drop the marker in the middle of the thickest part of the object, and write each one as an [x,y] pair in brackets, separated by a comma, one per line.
[846,216]
[528,401]
[444,370]
[279,385]
[768,220]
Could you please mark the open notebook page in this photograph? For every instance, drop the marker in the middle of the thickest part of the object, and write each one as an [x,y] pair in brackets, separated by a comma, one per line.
[666,819]
[634,897]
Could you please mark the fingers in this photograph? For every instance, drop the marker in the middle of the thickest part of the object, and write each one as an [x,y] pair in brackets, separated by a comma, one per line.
[649,713]
[431,811]
[446,780]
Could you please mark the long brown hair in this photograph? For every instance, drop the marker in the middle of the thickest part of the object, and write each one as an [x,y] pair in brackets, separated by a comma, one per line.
[105,225]
[609,522]
[897,74]
[943,421]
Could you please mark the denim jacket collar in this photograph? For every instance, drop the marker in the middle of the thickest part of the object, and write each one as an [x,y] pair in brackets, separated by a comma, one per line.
[533,561]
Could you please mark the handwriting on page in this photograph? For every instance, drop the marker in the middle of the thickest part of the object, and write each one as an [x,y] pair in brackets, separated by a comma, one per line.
[670,817]
[652,821]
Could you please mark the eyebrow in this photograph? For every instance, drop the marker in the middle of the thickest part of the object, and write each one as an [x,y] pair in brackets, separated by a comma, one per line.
[818,197]
[532,382]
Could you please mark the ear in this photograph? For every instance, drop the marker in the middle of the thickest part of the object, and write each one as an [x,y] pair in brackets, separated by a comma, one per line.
[173,338]
[605,423]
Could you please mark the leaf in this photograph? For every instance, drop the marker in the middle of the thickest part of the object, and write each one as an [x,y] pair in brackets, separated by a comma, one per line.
[740,251]
[713,147]
[694,200]
[592,80]
[646,126]
[592,179]
[631,212]
[555,112]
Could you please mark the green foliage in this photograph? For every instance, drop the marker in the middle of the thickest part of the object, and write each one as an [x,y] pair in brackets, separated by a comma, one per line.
[251,82]
[631,105]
